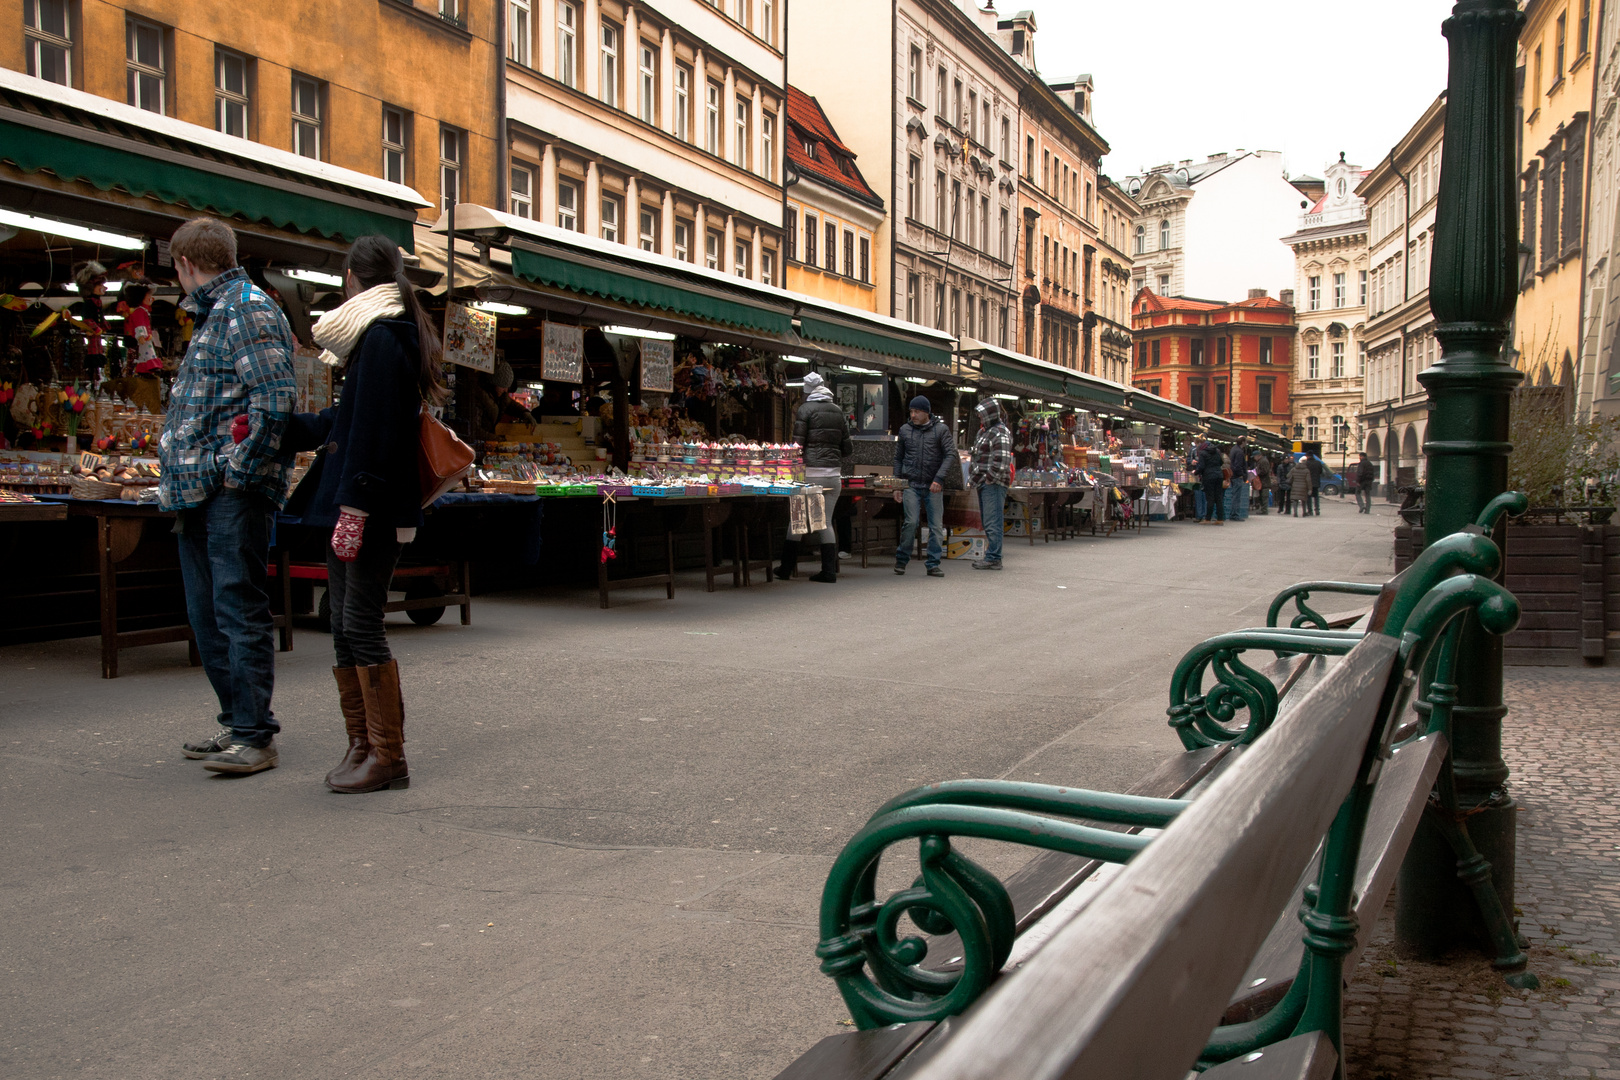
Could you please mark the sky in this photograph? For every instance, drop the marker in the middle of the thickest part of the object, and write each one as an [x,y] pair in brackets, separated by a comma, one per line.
[1187,78]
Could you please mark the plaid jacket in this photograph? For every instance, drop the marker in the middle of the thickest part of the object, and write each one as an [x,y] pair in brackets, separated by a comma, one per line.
[992,451]
[239,361]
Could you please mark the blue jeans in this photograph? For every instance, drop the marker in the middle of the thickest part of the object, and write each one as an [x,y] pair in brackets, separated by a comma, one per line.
[913,500]
[1198,504]
[1237,501]
[992,508]
[223,547]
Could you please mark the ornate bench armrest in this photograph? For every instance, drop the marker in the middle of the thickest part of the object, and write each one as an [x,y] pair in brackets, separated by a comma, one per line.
[1204,717]
[1302,592]
[1106,806]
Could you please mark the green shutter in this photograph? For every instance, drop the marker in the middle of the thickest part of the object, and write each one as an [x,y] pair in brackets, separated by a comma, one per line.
[814,329]
[176,183]
[633,289]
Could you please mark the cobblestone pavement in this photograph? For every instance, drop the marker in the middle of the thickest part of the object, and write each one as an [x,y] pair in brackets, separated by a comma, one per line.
[1411,1021]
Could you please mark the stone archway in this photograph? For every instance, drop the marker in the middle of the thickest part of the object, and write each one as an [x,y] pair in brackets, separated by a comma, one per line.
[1406,473]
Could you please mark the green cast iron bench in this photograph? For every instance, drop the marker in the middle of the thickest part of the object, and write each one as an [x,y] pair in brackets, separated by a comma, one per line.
[908,1006]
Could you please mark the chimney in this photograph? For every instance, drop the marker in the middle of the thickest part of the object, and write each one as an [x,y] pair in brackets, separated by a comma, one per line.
[1287,297]
[1258,294]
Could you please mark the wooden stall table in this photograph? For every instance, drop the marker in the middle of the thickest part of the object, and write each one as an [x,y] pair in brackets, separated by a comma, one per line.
[870,504]
[119,527]
[1047,500]
[740,513]
[668,514]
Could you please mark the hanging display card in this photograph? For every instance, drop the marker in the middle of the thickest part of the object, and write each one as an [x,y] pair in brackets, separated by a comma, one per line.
[562,354]
[658,366]
[469,338]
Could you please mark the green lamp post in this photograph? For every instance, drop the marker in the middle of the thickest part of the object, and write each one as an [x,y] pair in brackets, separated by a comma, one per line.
[1472,290]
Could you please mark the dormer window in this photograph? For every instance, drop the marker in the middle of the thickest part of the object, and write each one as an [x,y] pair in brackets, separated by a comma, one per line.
[809,149]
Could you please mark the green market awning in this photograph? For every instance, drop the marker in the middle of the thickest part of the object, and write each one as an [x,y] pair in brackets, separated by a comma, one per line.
[111,146]
[1163,410]
[643,290]
[1223,428]
[874,336]
[1013,369]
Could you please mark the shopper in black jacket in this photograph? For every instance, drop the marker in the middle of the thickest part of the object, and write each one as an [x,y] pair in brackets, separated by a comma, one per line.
[1213,473]
[367,488]
[923,454]
[821,428]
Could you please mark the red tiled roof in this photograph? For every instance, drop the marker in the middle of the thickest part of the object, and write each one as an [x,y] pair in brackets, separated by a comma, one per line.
[1262,302]
[1148,300]
[833,163]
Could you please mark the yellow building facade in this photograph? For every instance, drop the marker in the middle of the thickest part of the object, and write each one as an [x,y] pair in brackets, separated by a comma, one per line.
[833,215]
[403,90]
[1556,64]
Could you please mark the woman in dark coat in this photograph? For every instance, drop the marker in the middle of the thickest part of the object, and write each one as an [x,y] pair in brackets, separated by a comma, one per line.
[368,491]
[820,427]
[1213,473]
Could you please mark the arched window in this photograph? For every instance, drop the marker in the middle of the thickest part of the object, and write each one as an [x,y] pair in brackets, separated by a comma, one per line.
[1141,239]
[1164,234]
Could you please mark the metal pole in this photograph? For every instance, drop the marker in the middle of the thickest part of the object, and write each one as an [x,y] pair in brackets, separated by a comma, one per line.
[1471,292]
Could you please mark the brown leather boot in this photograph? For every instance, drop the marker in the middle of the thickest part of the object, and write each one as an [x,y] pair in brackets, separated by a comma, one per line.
[353,704]
[384,766]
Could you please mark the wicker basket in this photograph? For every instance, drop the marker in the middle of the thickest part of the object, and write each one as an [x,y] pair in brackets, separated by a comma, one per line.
[85,487]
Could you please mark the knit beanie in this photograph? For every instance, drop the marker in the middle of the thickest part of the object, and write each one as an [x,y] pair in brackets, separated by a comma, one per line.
[922,404]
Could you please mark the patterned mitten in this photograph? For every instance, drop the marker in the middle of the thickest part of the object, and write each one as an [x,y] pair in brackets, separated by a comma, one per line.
[346,536]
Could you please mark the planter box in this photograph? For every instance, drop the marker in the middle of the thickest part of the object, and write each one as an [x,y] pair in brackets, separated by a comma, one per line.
[1567,579]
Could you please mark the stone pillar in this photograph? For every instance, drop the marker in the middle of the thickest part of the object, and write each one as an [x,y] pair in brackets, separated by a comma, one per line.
[590,33]
[548,185]
[666,82]
[1471,291]
[632,212]
[666,241]
[591,212]
[728,246]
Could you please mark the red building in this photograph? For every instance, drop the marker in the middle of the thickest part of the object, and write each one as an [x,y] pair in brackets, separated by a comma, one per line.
[1229,359]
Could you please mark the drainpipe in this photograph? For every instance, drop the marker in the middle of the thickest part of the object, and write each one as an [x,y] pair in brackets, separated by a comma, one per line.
[503,168]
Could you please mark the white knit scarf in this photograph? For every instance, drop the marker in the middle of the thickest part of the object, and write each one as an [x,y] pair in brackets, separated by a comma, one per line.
[338,331]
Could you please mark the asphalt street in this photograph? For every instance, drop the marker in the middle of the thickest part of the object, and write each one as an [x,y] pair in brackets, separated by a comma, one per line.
[609,860]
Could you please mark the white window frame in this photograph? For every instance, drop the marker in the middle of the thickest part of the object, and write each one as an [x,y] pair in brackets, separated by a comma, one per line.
[568,195]
[767,266]
[519,23]
[647,229]
[607,74]
[1313,361]
[714,249]
[1341,289]
[740,132]
[741,256]
[396,155]
[612,229]
[452,154]
[568,43]
[711,117]
[767,145]
[307,128]
[1336,360]
[683,241]
[37,39]
[226,101]
[141,73]
[914,74]
[767,18]
[520,191]
[683,103]
[647,83]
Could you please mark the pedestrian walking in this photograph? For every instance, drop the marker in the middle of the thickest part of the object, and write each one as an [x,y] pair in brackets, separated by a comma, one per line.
[226,492]
[923,453]
[1263,477]
[1215,474]
[1194,467]
[367,490]
[821,428]
[1315,467]
[1299,485]
[991,473]
[1366,477]
[1237,495]
[1285,480]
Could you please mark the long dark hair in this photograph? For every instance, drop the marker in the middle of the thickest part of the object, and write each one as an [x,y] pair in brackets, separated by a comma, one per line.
[375,260]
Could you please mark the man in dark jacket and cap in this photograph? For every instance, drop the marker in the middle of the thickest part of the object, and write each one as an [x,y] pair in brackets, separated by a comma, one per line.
[923,454]
[820,428]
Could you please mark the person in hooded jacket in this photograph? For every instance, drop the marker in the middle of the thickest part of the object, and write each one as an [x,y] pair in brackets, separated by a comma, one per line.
[924,452]
[367,489]
[991,472]
[1285,481]
[822,430]
[1299,484]
[1213,473]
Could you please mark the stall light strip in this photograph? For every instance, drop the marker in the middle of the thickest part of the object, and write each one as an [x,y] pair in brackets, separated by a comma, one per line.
[69,231]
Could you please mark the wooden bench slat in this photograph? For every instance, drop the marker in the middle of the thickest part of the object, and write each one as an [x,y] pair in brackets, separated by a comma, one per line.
[1304,1057]
[858,1055]
[1403,789]
[1133,989]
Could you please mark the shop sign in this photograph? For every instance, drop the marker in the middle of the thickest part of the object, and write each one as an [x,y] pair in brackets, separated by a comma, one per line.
[658,366]
[469,338]
[562,353]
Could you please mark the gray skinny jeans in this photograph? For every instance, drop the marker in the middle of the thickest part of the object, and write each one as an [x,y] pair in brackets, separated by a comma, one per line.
[831,486]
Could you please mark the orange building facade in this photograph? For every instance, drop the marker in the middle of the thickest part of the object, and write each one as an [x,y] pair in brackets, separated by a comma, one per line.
[1233,360]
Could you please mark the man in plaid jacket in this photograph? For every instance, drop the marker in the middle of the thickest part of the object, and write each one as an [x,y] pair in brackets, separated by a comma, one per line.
[227,492]
[990,470]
